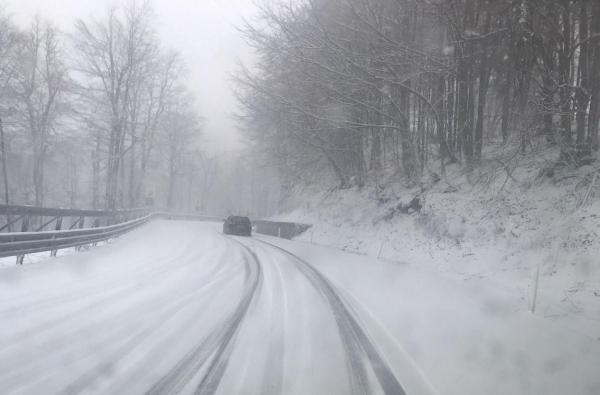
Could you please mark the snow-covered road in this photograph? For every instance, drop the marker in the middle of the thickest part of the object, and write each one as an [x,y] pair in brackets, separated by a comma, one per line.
[176,307]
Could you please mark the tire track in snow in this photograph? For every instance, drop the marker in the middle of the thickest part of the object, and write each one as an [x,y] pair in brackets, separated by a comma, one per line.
[106,367]
[218,344]
[126,341]
[121,315]
[356,341]
[37,301]
[272,380]
[99,301]
[212,378]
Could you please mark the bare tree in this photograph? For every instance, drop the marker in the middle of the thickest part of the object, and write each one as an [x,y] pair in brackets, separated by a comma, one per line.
[42,81]
[157,94]
[388,80]
[180,132]
[93,117]
[207,169]
[111,54]
[11,44]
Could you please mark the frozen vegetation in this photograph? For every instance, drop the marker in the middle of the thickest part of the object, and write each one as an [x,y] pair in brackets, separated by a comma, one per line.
[494,228]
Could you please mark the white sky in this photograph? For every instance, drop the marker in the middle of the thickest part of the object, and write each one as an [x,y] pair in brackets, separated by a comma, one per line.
[203,31]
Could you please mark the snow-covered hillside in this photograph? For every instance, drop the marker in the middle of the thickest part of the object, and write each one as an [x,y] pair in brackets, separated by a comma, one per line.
[496,226]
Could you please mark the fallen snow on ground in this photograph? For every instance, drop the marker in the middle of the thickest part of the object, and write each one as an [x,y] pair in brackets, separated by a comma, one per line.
[462,337]
[152,311]
[43,256]
[494,227]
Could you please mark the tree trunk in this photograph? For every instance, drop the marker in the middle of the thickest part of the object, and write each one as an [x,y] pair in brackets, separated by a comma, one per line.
[38,172]
[524,62]
[506,101]
[442,121]
[112,172]
[465,85]
[451,114]
[5,173]
[96,172]
[484,82]
[140,190]
[594,49]
[548,101]
[133,202]
[173,148]
[4,165]
[376,149]
[548,68]
[582,93]
[110,176]
[564,65]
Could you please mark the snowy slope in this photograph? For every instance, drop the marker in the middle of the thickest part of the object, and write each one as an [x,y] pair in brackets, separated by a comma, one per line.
[485,227]
[462,337]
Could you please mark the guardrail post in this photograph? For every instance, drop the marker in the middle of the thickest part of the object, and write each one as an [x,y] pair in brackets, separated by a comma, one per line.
[96,225]
[24,228]
[8,223]
[57,227]
[81,222]
[35,221]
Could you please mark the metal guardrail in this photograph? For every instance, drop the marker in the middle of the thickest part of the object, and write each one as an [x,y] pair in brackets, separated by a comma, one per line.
[64,212]
[21,243]
[50,229]
[35,229]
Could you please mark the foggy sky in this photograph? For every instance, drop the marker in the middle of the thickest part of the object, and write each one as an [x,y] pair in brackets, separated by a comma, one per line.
[203,31]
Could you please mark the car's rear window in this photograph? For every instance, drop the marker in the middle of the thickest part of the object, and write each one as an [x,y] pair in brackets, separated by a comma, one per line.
[239,220]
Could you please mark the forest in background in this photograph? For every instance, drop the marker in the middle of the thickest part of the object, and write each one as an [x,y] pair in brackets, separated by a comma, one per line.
[367,89]
[344,93]
[98,117]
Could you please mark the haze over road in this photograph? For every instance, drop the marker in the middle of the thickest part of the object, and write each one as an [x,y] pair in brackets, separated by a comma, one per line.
[195,313]
[177,307]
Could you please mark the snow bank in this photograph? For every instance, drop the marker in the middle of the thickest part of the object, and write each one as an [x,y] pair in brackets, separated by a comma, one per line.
[460,337]
[497,225]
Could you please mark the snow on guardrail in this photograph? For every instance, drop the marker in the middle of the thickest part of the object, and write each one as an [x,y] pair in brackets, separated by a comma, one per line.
[51,229]
[285,230]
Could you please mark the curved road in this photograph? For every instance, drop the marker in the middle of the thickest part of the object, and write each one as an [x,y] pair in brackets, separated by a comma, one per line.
[179,308]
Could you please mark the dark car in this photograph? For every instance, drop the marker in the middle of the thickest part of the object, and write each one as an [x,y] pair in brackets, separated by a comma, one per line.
[236,225]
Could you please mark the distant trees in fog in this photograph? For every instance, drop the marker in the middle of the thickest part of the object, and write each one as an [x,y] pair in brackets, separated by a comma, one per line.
[370,87]
[97,117]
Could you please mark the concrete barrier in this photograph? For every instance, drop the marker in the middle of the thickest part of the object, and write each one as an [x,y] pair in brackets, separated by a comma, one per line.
[285,230]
